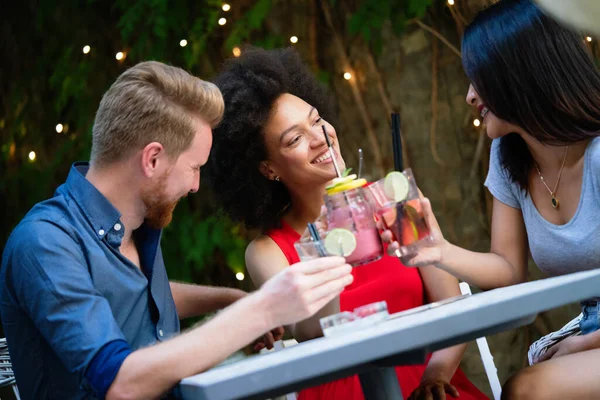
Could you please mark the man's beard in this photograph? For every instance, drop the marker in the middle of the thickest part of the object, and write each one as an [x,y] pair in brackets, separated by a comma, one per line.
[159,209]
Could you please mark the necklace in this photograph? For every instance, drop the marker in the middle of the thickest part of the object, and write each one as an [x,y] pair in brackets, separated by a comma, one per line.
[555,202]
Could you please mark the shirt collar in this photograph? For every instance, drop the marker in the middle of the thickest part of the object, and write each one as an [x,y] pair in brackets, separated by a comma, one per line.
[103,216]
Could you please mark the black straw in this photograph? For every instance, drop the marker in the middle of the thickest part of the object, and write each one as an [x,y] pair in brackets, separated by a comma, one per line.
[326,136]
[397,142]
[314,233]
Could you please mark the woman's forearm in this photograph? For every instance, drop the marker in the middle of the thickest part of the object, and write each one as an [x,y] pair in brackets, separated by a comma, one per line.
[483,270]
[443,363]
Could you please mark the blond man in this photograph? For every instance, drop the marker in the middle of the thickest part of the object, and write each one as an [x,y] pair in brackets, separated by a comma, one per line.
[85,301]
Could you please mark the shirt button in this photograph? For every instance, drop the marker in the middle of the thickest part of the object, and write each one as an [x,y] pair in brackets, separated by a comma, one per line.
[160,332]
[118,227]
[101,232]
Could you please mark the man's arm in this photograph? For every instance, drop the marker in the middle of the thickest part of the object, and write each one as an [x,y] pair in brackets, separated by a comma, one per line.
[292,295]
[195,300]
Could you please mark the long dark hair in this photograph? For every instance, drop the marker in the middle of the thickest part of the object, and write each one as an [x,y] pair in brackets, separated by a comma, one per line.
[535,74]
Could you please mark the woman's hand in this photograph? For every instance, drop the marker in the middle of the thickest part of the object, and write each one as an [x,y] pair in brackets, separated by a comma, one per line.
[570,345]
[431,254]
[320,224]
[433,389]
[268,339]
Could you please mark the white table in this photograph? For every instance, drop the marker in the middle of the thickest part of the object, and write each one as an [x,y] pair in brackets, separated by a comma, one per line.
[400,341]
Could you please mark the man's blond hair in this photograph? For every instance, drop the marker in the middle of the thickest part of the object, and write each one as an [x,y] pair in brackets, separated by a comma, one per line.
[152,102]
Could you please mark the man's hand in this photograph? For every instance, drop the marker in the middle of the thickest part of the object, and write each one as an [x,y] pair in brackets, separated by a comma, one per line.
[570,345]
[433,390]
[299,291]
[268,339]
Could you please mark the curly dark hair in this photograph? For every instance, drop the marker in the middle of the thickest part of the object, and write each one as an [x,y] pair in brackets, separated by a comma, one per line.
[250,85]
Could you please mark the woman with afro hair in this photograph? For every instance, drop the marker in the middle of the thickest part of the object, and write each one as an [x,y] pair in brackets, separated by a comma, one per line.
[269,168]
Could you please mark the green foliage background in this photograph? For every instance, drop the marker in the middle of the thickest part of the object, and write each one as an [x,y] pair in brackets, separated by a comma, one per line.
[45,79]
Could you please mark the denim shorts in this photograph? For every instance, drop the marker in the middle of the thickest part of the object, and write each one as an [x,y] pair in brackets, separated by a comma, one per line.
[591,316]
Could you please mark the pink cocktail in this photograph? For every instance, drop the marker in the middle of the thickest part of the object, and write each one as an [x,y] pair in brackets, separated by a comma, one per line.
[351,211]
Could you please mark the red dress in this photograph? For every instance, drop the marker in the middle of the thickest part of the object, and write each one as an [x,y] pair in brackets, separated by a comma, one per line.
[387,279]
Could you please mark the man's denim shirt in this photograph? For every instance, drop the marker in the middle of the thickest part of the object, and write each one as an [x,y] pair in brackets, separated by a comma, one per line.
[66,292]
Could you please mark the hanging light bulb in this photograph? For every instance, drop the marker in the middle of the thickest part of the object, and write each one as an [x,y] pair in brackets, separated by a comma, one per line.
[294,39]
[239,276]
[32,156]
[237,51]
[450,2]
[347,76]
[476,122]
[86,49]
[59,128]
[120,55]
[222,21]
[183,43]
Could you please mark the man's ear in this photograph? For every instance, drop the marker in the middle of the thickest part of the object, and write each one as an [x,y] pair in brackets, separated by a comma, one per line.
[152,155]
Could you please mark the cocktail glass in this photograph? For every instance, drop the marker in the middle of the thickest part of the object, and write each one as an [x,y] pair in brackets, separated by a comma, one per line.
[403,215]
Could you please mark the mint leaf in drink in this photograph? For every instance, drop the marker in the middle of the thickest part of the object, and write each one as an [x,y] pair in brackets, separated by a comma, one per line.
[346,172]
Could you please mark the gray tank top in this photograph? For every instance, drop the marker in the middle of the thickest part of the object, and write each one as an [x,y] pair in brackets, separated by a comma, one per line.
[556,249]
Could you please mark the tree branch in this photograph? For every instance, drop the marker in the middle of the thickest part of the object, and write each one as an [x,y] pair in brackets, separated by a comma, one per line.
[375,148]
[438,35]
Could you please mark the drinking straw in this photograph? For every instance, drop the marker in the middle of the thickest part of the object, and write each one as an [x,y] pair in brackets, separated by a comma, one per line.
[360,162]
[337,171]
[332,153]
[314,233]
[397,142]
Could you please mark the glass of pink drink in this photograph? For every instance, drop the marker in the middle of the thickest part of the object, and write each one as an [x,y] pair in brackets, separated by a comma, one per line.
[404,218]
[350,210]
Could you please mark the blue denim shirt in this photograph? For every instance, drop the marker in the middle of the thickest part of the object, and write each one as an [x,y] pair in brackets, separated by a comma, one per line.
[66,291]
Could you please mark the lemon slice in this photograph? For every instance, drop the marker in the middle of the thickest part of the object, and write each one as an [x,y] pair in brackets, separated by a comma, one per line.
[396,186]
[409,230]
[347,186]
[340,181]
[340,242]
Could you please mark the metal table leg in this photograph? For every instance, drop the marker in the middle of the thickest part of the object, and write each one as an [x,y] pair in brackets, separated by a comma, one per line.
[380,384]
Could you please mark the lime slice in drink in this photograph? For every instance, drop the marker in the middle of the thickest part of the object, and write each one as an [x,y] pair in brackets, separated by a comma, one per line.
[412,221]
[340,242]
[340,181]
[410,234]
[396,186]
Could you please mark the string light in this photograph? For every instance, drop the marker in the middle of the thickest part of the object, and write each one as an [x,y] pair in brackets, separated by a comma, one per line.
[476,122]
[222,21]
[450,2]
[347,76]
[86,49]
[237,52]
[59,128]
[120,55]
[589,38]
[32,156]
[226,7]
[183,43]
[239,276]
[294,39]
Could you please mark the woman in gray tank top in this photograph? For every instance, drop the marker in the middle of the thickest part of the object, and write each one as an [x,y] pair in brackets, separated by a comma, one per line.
[538,93]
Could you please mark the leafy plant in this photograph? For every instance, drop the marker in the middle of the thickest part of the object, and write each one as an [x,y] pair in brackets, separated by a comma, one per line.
[370,16]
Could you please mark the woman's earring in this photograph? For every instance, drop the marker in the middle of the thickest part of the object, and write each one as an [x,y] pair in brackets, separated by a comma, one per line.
[277,178]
